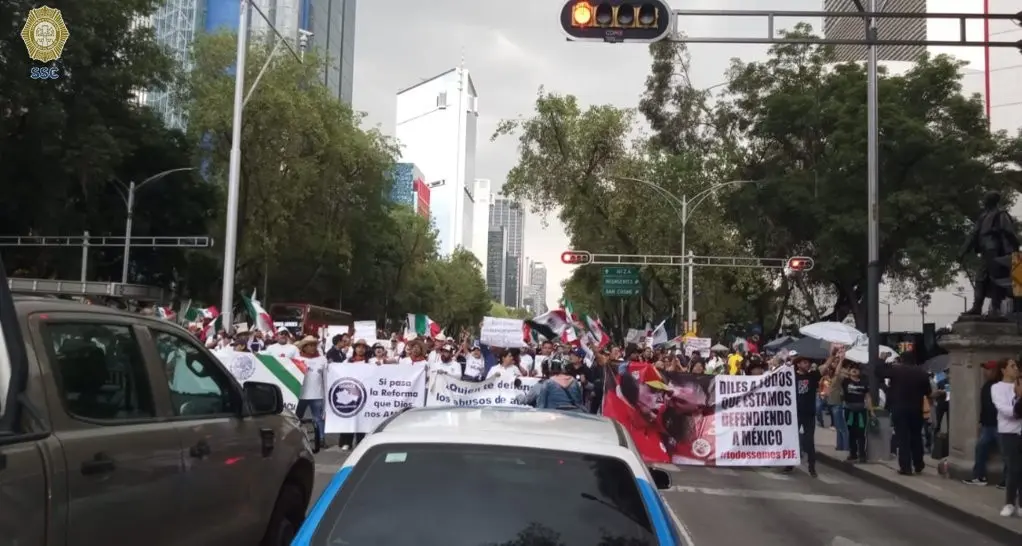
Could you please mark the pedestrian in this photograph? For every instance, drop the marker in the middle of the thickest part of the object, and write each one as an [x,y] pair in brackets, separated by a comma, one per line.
[1005,394]
[311,395]
[807,384]
[909,385]
[858,408]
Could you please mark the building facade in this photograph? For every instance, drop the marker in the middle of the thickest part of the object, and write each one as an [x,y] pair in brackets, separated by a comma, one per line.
[889,29]
[537,283]
[509,216]
[481,220]
[410,189]
[332,23]
[436,128]
[496,263]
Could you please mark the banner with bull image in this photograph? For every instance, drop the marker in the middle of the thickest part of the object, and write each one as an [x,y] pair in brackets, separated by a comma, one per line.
[724,420]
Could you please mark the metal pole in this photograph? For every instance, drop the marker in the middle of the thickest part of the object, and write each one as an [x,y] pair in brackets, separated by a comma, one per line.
[234,178]
[880,439]
[691,310]
[85,256]
[127,232]
[681,282]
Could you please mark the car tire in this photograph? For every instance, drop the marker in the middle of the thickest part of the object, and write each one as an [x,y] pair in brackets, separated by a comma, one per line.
[288,515]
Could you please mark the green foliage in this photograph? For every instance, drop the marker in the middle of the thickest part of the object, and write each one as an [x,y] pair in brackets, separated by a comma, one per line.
[800,127]
[500,310]
[69,147]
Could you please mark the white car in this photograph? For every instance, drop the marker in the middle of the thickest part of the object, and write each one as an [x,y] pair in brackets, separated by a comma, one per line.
[494,475]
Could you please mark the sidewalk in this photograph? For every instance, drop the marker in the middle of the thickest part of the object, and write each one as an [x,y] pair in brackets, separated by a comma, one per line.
[972,505]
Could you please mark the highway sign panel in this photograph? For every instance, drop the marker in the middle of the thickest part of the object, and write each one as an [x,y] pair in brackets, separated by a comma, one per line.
[620,281]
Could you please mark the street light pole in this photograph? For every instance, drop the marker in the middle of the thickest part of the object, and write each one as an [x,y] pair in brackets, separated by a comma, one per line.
[129,200]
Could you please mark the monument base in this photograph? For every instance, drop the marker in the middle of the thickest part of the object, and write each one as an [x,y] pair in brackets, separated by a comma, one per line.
[973,341]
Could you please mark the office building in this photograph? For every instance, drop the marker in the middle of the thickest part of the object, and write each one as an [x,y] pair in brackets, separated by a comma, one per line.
[410,189]
[537,281]
[436,128]
[508,215]
[332,23]
[496,271]
[889,29]
[481,220]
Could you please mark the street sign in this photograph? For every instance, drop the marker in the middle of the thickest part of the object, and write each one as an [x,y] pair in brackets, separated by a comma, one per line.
[620,281]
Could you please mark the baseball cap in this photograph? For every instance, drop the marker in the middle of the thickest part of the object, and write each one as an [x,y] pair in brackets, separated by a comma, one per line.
[447,347]
[990,365]
[579,353]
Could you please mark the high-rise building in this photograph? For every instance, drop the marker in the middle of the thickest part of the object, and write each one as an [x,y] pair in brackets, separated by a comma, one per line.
[849,28]
[537,281]
[410,189]
[332,23]
[509,216]
[436,128]
[481,220]
[496,263]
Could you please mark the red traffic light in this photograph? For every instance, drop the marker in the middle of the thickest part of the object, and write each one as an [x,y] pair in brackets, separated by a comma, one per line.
[576,257]
[800,263]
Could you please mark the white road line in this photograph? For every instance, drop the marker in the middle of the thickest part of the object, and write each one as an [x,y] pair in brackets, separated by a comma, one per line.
[785,496]
[772,474]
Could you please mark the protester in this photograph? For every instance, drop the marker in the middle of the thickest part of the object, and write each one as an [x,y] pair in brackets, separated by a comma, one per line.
[988,434]
[807,383]
[858,410]
[562,391]
[311,395]
[909,385]
[1005,394]
[283,348]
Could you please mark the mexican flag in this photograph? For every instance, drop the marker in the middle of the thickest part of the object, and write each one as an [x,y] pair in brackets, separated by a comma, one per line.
[596,331]
[165,313]
[214,325]
[549,325]
[422,326]
[259,317]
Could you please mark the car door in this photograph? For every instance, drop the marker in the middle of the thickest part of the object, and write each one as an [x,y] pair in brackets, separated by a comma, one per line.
[222,448]
[121,454]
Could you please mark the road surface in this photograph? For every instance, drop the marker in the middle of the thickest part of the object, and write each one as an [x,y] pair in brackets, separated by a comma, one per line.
[725,507]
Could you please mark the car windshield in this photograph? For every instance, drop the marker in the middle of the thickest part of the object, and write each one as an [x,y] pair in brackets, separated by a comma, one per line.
[451,495]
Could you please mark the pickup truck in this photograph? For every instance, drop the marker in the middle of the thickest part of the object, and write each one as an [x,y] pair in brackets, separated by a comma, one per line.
[121,429]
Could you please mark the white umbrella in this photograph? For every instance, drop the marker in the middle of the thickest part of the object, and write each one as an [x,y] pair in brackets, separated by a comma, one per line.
[860,353]
[834,332]
[718,348]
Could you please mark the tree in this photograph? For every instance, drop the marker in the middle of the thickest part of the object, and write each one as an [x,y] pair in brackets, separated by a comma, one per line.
[455,284]
[799,126]
[500,310]
[66,143]
[311,178]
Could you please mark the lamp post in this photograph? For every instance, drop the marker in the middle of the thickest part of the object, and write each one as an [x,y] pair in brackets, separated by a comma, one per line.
[965,301]
[685,206]
[129,201]
[883,302]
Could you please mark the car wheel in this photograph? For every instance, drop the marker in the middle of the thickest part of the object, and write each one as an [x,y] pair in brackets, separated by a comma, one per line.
[288,515]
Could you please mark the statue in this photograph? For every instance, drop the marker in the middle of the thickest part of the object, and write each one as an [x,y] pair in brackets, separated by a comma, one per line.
[993,237]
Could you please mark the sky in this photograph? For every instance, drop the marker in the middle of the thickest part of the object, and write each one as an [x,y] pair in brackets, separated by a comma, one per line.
[511,49]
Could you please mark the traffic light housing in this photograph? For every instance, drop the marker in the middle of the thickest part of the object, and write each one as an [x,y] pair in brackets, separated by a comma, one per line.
[616,21]
[800,264]
[576,257]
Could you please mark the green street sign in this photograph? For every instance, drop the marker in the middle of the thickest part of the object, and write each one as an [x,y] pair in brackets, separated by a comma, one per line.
[620,281]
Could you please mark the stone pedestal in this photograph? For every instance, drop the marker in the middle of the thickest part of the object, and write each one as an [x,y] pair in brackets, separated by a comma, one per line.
[973,341]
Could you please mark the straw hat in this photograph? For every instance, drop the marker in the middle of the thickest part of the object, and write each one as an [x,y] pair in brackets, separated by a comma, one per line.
[307,340]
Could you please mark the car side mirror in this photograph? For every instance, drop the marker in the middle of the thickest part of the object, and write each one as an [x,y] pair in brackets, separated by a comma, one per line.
[264,398]
[661,478]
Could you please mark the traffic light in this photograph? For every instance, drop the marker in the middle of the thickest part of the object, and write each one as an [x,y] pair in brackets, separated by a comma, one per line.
[576,257]
[616,21]
[799,264]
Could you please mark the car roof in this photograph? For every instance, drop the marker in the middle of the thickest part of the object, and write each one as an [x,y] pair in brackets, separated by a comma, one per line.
[500,422]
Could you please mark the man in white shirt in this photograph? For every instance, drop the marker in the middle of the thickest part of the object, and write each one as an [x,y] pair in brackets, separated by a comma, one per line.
[475,366]
[434,354]
[396,348]
[445,364]
[283,348]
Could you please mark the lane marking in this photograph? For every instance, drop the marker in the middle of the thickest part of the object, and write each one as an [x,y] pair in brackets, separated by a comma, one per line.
[785,496]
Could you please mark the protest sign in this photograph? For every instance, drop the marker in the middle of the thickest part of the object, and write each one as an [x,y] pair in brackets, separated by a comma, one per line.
[699,345]
[359,396]
[501,332]
[286,373]
[448,391]
[366,330]
[706,420]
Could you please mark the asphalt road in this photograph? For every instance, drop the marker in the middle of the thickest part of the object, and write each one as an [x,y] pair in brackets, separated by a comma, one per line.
[725,507]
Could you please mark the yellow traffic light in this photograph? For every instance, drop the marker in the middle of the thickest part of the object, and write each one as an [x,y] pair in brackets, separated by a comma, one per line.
[582,14]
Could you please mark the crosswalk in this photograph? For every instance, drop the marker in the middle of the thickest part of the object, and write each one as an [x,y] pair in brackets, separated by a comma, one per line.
[765,473]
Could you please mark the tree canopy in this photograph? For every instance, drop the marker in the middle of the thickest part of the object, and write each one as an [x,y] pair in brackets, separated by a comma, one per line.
[773,166]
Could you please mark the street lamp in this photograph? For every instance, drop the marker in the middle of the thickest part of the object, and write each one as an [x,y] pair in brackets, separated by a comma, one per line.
[882,302]
[965,301]
[684,213]
[129,200]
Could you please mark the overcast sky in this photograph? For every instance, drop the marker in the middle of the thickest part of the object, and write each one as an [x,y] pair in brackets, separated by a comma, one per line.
[511,49]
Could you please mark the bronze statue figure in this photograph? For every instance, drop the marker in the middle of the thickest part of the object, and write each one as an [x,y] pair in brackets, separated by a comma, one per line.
[993,237]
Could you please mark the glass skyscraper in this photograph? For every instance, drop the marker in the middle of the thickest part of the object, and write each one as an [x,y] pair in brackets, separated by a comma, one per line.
[332,23]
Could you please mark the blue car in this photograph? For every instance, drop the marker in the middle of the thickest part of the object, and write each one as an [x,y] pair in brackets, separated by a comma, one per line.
[493,475]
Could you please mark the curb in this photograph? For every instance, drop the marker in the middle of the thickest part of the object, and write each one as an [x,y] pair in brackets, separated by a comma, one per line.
[949,511]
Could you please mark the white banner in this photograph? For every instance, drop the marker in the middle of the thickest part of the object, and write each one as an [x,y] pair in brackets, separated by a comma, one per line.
[266,368]
[360,396]
[755,421]
[699,345]
[502,332]
[365,329]
[448,391]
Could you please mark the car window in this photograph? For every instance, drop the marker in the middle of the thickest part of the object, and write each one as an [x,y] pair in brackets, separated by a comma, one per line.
[197,385]
[100,370]
[497,496]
